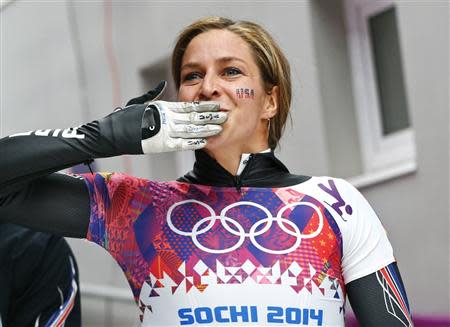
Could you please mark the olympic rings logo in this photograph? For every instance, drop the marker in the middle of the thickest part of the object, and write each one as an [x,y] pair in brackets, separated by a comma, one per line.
[239,231]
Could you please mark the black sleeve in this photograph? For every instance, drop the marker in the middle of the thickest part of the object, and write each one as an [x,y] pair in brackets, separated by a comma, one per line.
[39,279]
[56,203]
[27,156]
[379,299]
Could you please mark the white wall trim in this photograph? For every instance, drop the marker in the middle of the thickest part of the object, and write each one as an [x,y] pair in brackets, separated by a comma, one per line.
[372,178]
[379,152]
[5,3]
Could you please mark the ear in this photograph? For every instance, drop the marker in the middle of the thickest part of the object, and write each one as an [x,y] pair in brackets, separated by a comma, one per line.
[271,103]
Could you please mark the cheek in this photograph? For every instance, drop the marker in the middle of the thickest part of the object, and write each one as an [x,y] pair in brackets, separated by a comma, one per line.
[250,97]
[245,116]
[185,94]
[245,93]
[249,101]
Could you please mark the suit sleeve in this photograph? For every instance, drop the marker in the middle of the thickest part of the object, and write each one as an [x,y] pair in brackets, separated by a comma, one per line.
[379,299]
[125,211]
[32,195]
[366,247]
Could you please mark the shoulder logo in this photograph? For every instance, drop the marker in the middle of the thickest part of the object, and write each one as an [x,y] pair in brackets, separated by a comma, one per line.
[339,203]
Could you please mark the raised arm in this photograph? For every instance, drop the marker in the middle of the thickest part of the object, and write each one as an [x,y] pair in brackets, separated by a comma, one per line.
[58,203]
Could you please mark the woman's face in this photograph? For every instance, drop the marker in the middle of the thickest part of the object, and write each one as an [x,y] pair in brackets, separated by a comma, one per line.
[219,66]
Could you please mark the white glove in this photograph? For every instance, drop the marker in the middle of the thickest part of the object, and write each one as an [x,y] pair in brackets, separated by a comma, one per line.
[178,126]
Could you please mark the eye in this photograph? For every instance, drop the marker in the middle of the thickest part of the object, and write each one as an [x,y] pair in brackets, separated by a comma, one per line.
[232,71]
[192,76]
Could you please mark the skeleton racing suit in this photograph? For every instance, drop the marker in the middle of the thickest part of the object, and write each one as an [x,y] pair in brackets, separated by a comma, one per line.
[265,248]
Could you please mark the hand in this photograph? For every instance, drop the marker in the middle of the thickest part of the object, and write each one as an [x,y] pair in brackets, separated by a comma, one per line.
[151,95]
[177,126]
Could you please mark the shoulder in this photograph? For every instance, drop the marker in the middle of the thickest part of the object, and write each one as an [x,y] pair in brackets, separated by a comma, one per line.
[328,185]
[112,179]
[339,196]
[331,180]
[334,186]
[119,189]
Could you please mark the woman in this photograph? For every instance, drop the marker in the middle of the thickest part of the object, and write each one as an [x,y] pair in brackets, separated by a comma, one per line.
[238,240]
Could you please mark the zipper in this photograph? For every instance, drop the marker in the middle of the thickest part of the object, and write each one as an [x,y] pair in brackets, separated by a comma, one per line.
[237,183]
[238,179]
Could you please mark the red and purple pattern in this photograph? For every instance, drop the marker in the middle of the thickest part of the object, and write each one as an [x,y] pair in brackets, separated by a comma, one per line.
[129,218]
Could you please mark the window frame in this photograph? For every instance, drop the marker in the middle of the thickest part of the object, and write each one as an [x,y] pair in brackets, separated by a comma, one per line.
[382,155]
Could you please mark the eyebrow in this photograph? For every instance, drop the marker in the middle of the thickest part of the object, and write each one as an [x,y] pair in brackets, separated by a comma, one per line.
[221,60]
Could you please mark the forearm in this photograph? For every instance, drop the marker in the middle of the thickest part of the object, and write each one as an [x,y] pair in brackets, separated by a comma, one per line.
[57,203]
[28,156]
[379,299]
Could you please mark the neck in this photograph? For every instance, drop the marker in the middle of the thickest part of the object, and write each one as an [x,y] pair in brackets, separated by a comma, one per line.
[229,155]
[227,159]
[230,158]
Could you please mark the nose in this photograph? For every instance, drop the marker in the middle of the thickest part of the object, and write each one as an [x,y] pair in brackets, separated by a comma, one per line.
[210,88]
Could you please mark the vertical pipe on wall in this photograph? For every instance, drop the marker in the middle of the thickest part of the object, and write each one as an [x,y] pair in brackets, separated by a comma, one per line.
[113,66]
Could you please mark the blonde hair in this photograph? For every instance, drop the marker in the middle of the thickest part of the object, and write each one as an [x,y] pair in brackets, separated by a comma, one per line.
[273,65]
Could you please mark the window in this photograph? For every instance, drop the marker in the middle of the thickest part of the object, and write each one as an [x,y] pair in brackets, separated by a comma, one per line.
[384,126]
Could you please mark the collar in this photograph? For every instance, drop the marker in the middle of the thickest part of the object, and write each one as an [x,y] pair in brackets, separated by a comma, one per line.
[244,161]
[261,170]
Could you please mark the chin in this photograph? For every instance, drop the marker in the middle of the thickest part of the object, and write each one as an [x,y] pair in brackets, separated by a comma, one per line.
[222,141]
[215,142]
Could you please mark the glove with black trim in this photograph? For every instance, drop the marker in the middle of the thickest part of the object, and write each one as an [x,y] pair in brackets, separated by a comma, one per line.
[175,126]
[178,126]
